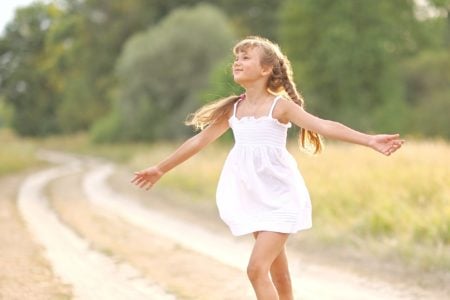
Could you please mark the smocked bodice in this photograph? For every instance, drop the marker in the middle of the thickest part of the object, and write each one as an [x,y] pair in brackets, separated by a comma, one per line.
[261,131]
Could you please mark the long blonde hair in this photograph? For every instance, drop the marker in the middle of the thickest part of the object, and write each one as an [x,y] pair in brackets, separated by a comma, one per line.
[280,82]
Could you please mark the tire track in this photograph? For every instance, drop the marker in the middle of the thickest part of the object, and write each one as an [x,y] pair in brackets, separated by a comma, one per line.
[92,274]
[186,273]
[25,273]
[96,276]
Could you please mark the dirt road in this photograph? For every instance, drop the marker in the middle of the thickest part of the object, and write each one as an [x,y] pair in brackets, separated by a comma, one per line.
[92,235]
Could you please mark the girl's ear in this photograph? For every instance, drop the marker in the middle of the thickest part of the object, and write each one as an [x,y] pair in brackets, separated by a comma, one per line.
[266,70]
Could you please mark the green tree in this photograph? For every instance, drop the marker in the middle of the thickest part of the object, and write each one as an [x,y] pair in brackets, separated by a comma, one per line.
[253,17]
[427,74]
[346,57]
[23,66]
[161,72]
[92,34]
[443,7]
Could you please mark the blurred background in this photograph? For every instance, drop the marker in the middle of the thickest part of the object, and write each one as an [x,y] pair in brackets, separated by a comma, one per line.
[133,70]
[118,78]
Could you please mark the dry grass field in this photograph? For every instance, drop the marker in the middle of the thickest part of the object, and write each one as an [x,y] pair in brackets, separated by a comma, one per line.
[393,210]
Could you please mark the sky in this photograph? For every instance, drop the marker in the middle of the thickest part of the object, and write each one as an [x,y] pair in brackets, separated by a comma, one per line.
[7,8]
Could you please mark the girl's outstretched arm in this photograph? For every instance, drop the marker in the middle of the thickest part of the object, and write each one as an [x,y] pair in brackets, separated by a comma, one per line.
[383,143]
[148,177]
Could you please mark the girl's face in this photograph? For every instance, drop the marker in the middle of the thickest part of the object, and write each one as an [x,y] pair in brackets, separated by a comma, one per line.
[247,66]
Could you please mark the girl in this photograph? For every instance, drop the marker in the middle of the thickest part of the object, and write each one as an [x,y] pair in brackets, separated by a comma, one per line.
[260,189]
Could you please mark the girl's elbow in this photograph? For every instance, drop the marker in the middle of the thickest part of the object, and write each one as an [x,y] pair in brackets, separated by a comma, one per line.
[328,128]
[198,142]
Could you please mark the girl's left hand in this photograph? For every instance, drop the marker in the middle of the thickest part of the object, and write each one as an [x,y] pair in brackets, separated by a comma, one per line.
[386,143]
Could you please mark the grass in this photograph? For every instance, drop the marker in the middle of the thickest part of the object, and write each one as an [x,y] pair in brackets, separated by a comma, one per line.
[15,154]
[391,207]
[396,206]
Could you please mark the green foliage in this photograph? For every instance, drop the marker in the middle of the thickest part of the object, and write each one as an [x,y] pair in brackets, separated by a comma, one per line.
[92,35]
[57,62]
[253,17]
[221,83]
[374,65]
[5,114]
[427,80]
[162,69]
[23,80]
[345,55]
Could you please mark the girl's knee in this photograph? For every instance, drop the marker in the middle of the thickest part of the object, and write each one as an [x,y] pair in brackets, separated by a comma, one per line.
[281,278]
[256,271]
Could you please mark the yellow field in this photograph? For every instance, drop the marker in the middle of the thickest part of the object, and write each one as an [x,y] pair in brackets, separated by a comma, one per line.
[391,207]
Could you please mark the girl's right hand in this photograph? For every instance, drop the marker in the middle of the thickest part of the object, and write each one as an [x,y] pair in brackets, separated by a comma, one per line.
[386,143]
[147,178]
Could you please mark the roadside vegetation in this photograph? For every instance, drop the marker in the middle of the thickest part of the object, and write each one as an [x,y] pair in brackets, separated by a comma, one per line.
[395,208]
[16,154]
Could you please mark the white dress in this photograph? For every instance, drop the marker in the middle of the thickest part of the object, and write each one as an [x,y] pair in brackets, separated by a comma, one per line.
[260,187]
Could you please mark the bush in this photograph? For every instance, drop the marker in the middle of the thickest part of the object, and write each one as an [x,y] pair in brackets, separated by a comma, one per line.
[162,70]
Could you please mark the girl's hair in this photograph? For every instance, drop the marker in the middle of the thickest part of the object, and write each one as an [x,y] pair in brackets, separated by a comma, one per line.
[280,82]
[212,112]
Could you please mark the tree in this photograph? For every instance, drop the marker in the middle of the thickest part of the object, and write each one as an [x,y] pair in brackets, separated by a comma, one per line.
[23,59]
[253,17]
[162,70]
[346,57]
[92,34]
[427,75]
[443,6]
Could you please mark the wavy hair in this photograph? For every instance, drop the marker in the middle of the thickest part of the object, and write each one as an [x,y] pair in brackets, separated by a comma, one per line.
[280,82]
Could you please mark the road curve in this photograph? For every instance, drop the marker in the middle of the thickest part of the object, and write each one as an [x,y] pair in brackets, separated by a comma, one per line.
[91,274]
[94,275]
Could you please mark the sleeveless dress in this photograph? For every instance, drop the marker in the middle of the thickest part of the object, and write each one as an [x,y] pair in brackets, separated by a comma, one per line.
[260,187]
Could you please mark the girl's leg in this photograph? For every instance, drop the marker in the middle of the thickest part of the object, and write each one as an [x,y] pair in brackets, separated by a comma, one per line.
[267,248]
[281,277]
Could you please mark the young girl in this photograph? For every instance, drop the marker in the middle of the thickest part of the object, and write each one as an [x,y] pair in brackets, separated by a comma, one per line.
[260,190]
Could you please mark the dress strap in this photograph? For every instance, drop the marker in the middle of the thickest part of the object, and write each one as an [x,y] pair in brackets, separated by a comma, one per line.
[235,106]
[273,105]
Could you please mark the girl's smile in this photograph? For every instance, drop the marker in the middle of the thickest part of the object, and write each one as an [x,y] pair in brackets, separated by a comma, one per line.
[247,65]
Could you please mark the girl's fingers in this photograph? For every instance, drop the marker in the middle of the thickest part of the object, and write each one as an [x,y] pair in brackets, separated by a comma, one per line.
[138,182]
[144,183]
[137,178]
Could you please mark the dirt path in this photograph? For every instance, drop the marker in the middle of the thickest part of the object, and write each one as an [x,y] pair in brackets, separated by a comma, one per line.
[183,272]
[105,243]
[309,280]
[24,272]
[91,274]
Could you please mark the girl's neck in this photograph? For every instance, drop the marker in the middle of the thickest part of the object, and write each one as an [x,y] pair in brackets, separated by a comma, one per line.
[256,95]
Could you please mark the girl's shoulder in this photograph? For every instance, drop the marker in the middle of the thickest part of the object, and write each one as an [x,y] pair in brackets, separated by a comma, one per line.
[283,104]
[281,108]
